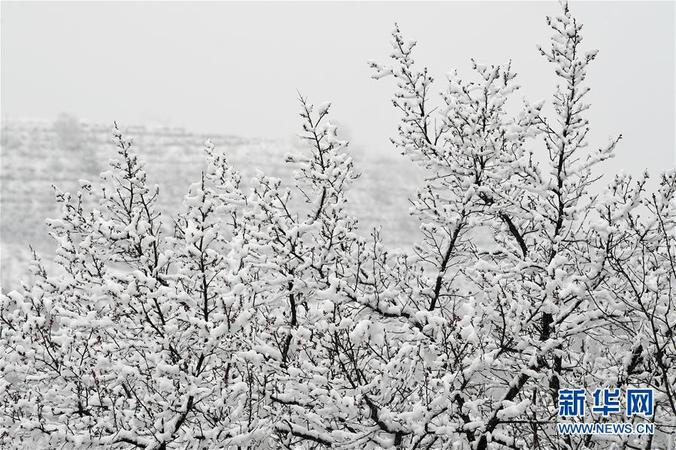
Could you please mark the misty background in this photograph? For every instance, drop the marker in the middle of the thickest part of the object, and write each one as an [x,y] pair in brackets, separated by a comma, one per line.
[177,73]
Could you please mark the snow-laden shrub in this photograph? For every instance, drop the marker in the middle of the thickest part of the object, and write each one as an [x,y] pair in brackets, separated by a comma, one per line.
[263,319]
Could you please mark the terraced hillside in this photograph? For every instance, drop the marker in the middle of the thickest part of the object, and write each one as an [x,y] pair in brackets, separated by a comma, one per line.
[36,155]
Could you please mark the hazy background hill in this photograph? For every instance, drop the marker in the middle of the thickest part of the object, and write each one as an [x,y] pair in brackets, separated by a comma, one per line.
[38,154]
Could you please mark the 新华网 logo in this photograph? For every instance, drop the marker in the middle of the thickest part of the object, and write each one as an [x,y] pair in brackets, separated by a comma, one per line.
[606,402]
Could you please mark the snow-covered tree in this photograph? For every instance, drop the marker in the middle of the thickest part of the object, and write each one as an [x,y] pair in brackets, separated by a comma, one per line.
[264,318]
[520,318]
[141,330]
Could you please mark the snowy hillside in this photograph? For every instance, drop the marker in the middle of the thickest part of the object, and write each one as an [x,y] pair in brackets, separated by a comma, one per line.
[37,155]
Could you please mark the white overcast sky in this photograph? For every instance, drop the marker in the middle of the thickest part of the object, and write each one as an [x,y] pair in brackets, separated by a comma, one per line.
[235,67]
